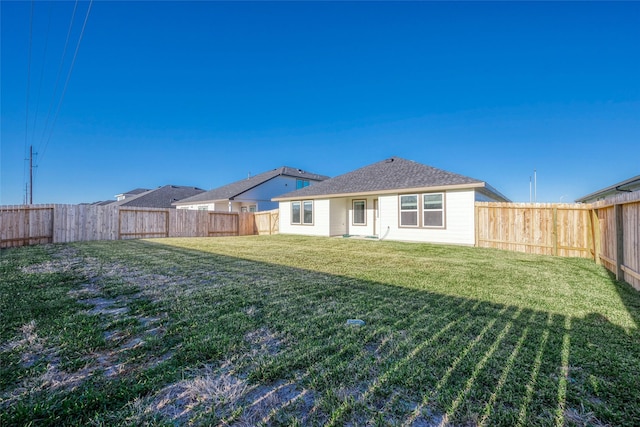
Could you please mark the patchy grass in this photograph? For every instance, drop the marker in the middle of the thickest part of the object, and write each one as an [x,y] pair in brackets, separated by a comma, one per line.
[252,331]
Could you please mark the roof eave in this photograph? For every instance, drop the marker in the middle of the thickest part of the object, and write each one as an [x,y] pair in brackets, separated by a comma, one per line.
[383,192]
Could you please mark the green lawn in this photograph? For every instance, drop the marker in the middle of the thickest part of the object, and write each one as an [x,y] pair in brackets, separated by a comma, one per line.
[253,331]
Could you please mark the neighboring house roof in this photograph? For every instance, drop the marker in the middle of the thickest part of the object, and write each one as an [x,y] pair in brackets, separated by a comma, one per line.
[161,197]
[626,186]
[102,203]
[230,191]
[388,176]
[133,192]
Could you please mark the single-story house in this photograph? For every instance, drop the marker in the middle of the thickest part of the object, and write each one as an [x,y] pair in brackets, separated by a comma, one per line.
[394,199]
[161,197]
[627,186]
[252,194]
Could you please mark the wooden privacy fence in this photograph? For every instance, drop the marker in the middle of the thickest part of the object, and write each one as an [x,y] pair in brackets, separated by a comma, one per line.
[267,222]
[36,224]
[548,229]
[607,231]
[618,221]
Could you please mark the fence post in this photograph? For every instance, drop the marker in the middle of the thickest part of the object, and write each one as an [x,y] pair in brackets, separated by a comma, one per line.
[555,231]
[617,209]
[595,230]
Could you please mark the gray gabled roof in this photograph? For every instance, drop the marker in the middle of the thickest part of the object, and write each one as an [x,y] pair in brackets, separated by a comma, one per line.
[161,197]
[626,186]
[230,191]
[388,175]
[134,192]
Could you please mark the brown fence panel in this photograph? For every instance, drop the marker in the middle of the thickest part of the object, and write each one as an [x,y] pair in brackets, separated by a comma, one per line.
[548,229]
[143,223]
[631,243]
[79,223]
[188,223]
[26,225]
[246,224]
[619,219]
[223,224]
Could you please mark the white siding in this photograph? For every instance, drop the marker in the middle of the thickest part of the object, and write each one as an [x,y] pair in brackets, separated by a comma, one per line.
[459,220]
[333,217]
[208,206]
[339,218]
[263,193]
[321,220]
[362,230]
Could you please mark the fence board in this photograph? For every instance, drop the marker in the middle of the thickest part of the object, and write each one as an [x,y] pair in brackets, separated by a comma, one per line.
[266,222]
[38,224]
[547,229]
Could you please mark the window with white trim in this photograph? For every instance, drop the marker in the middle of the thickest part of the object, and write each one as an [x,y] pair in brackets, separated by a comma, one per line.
[409,210]
[433,210]
[295,213]
[307,210]
[359,212]
[302,212]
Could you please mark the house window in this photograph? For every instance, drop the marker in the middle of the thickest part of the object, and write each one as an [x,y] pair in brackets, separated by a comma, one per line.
[359,210]
[433,210]
[243,209]
[308,212]
[302,212]
[301,183]
[409,210]
[252,208]
[202,208]
[295,212]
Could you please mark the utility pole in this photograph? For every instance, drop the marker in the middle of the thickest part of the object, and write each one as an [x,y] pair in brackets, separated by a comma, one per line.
[31,174]
[535,187]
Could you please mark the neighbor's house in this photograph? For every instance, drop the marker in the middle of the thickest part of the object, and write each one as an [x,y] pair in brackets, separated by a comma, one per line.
[628,186]
[161,197]
[394,199]
[252,194]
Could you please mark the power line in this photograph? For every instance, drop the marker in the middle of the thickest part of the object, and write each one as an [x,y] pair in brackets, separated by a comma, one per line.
[66,83]
[59,73]
[44,61]
[26,120]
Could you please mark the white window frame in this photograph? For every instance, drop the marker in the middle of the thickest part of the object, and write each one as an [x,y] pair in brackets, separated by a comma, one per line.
[441,209]
[302,204]
[299,203]
[364,212]
[416,210]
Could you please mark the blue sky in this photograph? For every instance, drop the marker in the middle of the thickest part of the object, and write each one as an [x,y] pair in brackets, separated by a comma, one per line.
[203,93]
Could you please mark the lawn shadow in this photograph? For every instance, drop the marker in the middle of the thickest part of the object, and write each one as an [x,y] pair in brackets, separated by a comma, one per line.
[421,358]
[424,357]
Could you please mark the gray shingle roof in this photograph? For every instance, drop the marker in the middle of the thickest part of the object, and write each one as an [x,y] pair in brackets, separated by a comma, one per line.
[394,173]
[161,197]
[134,192]
[229,191]
[628,185]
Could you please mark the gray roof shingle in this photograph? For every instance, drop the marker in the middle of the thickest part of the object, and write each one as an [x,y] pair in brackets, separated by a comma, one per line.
[394,173]
[229,191]
[161,197]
